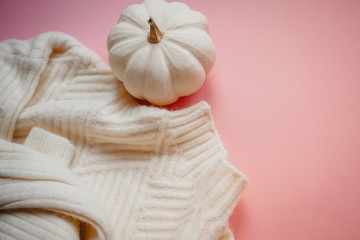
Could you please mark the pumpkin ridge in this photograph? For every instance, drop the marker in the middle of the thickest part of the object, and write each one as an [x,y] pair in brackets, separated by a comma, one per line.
[128,27]
[198,26]
[177,71]
[176,10]
[131,45]
[160,10]
[192,16]
[130,14]
[127,68]
[166,91]
[119,37]
[186,48]
[131,20]
[171,79]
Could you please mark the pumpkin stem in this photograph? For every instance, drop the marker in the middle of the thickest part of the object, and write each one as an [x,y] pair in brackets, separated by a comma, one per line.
[155,35]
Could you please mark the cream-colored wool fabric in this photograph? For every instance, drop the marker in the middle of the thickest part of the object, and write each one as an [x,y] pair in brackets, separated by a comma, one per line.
[81,159]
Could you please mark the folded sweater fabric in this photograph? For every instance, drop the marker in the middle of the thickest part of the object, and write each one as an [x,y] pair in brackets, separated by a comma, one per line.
[81,159]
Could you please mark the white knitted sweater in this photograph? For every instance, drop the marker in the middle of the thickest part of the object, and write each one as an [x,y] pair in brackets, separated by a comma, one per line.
[81,159]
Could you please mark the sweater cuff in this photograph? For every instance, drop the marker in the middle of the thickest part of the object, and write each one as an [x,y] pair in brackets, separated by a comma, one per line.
[197,141]
[50,144]
[226,185]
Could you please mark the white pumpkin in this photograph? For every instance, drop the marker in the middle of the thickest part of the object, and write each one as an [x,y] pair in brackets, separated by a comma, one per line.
[160,50]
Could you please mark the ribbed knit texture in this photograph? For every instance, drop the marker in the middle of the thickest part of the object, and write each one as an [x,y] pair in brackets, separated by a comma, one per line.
[81,159]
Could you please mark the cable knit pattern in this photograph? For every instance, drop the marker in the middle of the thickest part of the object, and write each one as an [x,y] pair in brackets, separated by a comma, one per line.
[81,159]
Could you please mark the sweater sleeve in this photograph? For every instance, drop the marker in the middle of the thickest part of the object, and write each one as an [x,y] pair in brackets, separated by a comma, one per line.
[40,197]
[19,76]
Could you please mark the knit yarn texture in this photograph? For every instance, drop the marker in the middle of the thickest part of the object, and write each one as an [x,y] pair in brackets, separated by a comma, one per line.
[81,159]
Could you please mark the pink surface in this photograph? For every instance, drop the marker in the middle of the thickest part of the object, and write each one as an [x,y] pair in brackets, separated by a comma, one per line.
[285,95]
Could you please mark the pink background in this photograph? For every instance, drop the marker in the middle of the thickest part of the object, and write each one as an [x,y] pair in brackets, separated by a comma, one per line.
[285,95]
